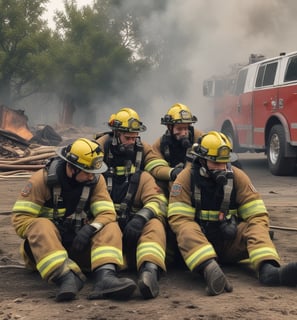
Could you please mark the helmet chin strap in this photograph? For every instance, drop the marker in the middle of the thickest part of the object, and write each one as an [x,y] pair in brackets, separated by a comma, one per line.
[204,172]
[75,171]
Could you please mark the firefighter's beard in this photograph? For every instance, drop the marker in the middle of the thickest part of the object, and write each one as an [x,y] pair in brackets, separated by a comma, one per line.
[184,141]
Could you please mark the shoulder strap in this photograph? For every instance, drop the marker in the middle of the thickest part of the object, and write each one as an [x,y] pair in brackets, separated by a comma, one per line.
[139,154]
[53,183]
[51,178]
[79,214]
[196,195]
[164,146]
[126,205]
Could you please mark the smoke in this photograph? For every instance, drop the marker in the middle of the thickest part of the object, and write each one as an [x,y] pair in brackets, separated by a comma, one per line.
[200,38]
[203,38]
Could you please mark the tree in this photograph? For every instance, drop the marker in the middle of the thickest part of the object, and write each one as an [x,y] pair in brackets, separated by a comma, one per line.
[24,43]
[92,59]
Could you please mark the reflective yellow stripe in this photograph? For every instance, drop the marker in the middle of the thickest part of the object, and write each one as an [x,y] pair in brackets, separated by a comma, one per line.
[112,253]
[49,212]
[155,163]
[180,208]
[32,208]
[213,215]
[26,206]
[158,208]
[199,256]
[251,208]
[264,253]
[120,170]
[101,206]
[150,248]
[51,262]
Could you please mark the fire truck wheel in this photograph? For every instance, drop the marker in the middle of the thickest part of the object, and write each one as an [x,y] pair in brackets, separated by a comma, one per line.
[228,131]
[278,164]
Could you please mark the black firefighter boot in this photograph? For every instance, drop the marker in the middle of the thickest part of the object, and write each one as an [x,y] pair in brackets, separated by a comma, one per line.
[215,278]
[109,285]
[69,284]
[272,275]
[148,280]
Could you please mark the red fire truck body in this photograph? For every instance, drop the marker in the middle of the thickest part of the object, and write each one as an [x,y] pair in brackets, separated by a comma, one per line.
[256,106]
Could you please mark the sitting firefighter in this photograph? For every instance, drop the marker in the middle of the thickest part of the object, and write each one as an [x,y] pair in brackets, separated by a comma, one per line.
[174,144]
[140,204]
[219,217]
[66,217]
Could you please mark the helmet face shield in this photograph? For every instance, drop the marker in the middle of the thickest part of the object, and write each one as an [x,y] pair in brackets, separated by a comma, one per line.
[126,120]
[213,146]
[178,113]
[84,154]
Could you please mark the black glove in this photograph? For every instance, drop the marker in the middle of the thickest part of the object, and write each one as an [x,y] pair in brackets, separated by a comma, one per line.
[229,228]
[83,237]
[174,172]
[133,230]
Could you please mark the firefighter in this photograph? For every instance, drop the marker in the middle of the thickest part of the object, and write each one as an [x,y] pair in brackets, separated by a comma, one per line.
[174,144]
[68,223]
[140,204]
[219,217]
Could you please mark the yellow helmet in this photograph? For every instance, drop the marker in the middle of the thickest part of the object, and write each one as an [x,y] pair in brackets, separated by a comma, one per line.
[126,119]
[178,113]
[214,146]
[84,154]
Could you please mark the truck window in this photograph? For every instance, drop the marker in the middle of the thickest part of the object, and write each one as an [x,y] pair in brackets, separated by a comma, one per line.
[260,75]
[291,73]
[266,75]
[240,82]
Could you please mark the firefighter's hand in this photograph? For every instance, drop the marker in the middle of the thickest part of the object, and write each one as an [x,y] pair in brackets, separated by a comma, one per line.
[174,172]
[133,230]
[83,237]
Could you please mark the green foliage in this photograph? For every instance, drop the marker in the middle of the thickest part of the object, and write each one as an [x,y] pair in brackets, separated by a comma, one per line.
[23,40]
[92,59]
[93,52]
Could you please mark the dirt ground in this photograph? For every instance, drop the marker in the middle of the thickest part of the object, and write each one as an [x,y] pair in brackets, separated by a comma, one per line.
[23,295]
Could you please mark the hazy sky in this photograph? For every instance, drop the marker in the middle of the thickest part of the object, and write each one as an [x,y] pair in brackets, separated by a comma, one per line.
[59,5]
[203,38]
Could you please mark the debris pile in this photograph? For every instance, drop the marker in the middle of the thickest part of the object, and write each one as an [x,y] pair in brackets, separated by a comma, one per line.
[20,149]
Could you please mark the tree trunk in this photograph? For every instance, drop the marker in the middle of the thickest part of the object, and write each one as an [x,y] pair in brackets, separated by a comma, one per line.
[67,110]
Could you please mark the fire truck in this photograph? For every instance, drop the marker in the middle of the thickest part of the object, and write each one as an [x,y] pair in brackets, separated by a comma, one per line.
[256,106]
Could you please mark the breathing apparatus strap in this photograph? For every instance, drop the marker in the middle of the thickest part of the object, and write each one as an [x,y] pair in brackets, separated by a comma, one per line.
[224,210]
[139,154]
[196,197]
[53,183]
[79,215]
[164,145]
[125,206]
[124,212]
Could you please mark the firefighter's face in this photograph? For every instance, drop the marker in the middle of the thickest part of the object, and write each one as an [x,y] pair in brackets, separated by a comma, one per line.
[214,166]
[83,176]
[80,175]
[128,138]
[180,130]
